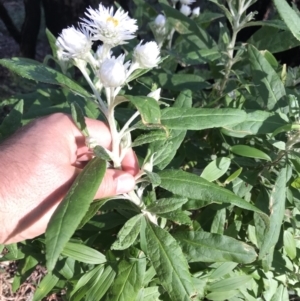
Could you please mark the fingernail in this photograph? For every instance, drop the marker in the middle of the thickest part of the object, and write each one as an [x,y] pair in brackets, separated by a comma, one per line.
[125,183]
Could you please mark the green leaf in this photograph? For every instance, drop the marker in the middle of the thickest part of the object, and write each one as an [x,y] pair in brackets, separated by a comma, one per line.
[166,150]
[128,234]
[83,253]
[149,294]
[286,128]
[266,80]
[224,269]
[52,42]
[256,123]
[274,39]
[72,209]
[34,70]
[219,222]
[199,119]
[216,169]
[13,120]
[191,186]
[101,153]
[221,296]
[296,183]
[87,279]
[45,286]
[289,244]
[150,137]
[229,284]
[281,294]
[129,280]
[203,246]
[179,82]
[93,209]
[289,16]
[169,263]
[68,268]
[233,176]
[277,209]
[148,108]
[153,178]
[13,250]
[166,205]
[178,216]
[78,118]
[101,284]
[248,151]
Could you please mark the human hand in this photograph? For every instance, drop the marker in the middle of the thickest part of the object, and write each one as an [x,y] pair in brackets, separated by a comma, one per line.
[38,165]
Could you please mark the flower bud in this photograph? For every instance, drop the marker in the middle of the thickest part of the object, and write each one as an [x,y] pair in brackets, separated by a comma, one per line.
[155,94]
[147,55]
[74,43]
[185,9]
[112,73]
[160,21]
[196,12]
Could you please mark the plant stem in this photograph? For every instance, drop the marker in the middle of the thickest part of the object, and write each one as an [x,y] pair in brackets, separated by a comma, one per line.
[91,84]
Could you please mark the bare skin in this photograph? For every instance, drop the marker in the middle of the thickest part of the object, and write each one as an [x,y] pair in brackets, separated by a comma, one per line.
[38,165]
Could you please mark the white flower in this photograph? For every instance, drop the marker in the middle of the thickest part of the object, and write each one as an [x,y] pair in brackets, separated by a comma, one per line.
[185,9]
[112,72]
[187,2]
[196,12]
[112,29]
[147,55]
[155,94]
[73,43]
[160,21]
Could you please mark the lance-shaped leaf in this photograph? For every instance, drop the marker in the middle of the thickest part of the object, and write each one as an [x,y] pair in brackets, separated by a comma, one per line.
[78,118]
[45,286]
[266,80]
[216,169]
[166,205]
[166,150]
[248,151]
[101,284]
[256,123]
[149,137]
[128,234]
[34,70]
[169,263]
[72,209]
[148,108]
[128,281]
[229,284]
[194,187]
[13,120]
[203,246]
[83,253]
[289,16]
[199,119]
[277,208]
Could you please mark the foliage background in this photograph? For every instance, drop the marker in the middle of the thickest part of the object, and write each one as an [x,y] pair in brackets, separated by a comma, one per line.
[257,159]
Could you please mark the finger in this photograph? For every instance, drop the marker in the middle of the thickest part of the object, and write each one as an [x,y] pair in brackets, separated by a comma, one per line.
[115,182]
[130,163]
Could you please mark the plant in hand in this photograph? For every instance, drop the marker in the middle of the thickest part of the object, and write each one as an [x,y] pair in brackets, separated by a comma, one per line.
[215,126]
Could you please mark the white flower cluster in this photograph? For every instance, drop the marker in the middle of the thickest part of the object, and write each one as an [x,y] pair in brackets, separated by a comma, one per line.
[112,29]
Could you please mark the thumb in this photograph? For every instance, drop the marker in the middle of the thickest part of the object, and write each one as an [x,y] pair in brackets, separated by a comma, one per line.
[115,182]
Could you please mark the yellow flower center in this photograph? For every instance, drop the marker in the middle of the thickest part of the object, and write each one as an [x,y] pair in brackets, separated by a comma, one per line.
[114,21]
